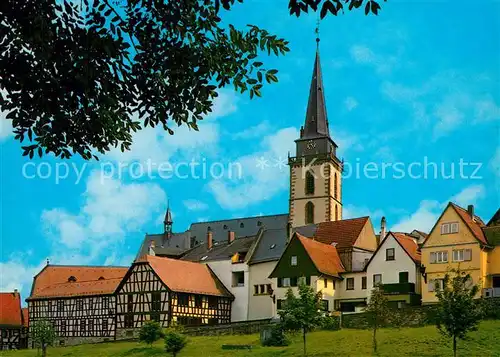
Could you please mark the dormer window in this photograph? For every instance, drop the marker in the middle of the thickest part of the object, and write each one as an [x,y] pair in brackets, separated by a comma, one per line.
[71,279]
[259,223]
[101,278]
[225,226]
[242,225]
[272,246]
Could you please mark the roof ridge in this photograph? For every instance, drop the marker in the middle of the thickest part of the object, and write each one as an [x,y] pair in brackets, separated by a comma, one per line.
[85,266]
[241,218]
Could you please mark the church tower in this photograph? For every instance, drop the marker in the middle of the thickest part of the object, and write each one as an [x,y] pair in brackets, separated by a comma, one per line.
[315,172]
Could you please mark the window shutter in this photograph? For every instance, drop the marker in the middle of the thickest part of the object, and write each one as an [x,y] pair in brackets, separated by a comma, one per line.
[280,282]
[433,257]
[293,281]
[431,285]
[308,281]
[468,254]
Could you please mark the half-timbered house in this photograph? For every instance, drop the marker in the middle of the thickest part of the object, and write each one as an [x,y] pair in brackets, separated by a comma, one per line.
[170,291]
[79,301]
[12,324]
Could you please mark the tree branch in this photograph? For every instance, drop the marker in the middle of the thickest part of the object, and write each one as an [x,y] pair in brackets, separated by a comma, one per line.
[121,18]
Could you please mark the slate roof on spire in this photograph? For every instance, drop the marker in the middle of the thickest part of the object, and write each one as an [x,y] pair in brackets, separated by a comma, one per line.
[316,124]
[168,216]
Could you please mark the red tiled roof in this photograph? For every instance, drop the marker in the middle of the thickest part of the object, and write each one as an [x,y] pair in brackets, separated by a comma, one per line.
[186,276]
[26,318]
[324,256]
[53,281]
[474,225]
[409,245]
[10,309]
[344,232]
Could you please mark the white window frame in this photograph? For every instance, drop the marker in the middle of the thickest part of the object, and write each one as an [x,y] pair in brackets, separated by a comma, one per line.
[445,228]
[347,285]
[454,227]
[286,282]
[459,255]
[440,256]
[293,260]
[377,282]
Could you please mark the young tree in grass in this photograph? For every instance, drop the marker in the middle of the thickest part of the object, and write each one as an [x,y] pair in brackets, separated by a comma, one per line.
[150,332]
[457,313]
[175,341]
[301,313]
[43,335]
[378,311]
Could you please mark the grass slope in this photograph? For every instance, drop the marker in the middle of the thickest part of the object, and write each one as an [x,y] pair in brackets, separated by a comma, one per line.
[424,341]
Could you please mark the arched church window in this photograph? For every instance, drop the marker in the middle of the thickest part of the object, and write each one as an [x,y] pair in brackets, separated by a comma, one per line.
[309,183]
[335,187]
[336,212]
[309,213]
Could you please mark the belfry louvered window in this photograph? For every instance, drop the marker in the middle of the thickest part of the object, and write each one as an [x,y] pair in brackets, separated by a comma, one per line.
[309,183]
[309,213]
[335,187]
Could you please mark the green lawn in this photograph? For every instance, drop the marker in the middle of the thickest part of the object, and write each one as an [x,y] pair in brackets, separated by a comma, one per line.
[424,341]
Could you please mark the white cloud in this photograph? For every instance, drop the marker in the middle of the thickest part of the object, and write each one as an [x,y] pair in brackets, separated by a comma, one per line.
[352,211]
[347,142]
[429,211]
[382,63]
[495,163]
[16,274]
[350,103]
[195,205]
[254,131]
[111,210]
[258,184]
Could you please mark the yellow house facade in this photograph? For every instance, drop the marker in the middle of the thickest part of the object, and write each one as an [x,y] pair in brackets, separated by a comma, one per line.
[456,241]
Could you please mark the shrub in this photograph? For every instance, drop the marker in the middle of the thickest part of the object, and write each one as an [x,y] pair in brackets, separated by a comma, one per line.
[150,332]
[174,341]
[331,323]
[277,337]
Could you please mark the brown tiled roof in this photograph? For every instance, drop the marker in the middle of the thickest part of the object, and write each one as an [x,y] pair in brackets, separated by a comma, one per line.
[10,309]
[53,281]
[409,245]
[343,232]
[186,276]
[474,225]
[26,318]
[324,256]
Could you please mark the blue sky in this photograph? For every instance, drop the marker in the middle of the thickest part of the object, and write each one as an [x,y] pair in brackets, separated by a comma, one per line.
[419,82]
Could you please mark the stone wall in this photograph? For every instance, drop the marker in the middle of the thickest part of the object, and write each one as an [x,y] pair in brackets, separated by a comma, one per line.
[235,328]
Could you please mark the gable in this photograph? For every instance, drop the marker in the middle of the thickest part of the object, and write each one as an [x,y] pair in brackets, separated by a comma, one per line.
[367,239]
[304,267]
[401,260]
[464,235]
[140,278]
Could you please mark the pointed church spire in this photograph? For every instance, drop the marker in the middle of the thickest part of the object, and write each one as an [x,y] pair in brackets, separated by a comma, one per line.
[167,222]
[316,123]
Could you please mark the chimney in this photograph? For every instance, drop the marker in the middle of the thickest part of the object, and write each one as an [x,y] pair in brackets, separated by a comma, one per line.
[470,210]
[230,237]
[209,239]
[382,230]
[16,291]
[152,248]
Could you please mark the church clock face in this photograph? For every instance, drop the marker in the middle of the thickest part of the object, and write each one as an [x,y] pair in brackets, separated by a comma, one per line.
[311,144]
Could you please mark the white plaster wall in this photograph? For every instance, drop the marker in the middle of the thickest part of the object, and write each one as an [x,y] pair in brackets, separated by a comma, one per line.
[260,306]
[390,269]
[357,293]
[358,259]
[224,269]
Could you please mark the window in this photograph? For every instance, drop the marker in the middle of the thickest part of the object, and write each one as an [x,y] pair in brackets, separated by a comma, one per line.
[242,225]
[49,306]
[79,305]
[225,226]
[60,305]
[279,304]
[445,228]
[269,289]
[325,283]
[155,301]
[309,213]
[259,223]
[377,279]
[363,282]
[293,281]
[439,257]
[129,321]
[454,227]
[324,305]
[182,299]
[198,301]
[286,282]
[130,303]
[293,260]
[389,254]
[461,255]
[238,278]
[433,282]
[255,289]
[336,212]
[335,187]
[104,325]
[403,277]
[309,183]
[349,284]
[63,327]
[91,325]
[82,325]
